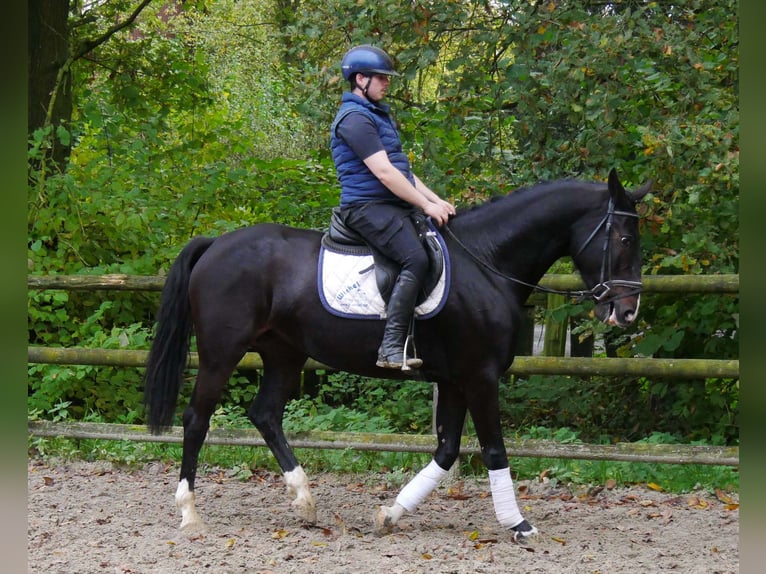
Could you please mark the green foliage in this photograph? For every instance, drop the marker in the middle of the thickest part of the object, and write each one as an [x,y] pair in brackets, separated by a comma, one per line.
[624,409]
[672,478]
[405,405]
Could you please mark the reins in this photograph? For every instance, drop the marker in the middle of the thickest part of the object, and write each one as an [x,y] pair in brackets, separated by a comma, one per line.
[600,292]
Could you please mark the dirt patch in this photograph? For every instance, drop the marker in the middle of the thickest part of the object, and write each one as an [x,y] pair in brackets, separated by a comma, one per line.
[95,518]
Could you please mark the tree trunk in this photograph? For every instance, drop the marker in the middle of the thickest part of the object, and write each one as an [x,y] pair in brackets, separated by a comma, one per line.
[49,84]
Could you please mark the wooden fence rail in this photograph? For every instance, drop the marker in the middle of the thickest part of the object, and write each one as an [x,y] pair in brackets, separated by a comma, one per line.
[583,366]
[523,365]
[652,283]
[392,442]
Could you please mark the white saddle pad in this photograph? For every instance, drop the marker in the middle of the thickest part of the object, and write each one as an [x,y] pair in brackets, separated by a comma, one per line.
[347,287]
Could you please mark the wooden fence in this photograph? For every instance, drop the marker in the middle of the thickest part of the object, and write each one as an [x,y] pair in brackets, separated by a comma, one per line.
[523,365]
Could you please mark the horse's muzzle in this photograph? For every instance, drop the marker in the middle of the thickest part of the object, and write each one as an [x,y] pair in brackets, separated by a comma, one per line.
[620,311]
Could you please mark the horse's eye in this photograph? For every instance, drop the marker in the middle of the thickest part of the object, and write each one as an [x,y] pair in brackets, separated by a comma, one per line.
[626,240]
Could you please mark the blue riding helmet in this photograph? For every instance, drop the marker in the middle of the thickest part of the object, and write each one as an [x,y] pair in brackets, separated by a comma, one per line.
[367,59]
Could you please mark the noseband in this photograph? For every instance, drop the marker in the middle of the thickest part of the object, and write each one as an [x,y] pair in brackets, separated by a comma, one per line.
[601,292]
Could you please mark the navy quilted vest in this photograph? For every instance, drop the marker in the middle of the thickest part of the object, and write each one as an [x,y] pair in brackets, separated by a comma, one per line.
[357,182]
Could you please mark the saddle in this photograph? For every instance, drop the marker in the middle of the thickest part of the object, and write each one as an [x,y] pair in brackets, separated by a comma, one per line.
[342,239]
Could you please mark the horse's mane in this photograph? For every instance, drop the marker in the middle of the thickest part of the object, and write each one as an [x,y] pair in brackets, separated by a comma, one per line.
[539,187]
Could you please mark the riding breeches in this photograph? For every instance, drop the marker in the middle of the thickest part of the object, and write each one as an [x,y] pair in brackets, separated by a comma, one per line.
[388,228]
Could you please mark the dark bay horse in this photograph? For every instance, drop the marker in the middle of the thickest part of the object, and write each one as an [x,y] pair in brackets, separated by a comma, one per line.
[255,289]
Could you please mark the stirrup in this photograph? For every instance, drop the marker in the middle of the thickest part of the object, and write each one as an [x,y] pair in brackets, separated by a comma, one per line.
[414,362]
[404,363]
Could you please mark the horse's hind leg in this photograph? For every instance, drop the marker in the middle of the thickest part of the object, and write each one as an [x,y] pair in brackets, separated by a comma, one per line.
[450,416]
[280,383]
[196,420]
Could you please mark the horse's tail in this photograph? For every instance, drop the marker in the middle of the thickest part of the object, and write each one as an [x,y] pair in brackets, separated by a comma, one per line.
[170,348]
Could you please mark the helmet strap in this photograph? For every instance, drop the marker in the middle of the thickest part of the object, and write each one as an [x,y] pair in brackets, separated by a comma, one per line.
[367,86]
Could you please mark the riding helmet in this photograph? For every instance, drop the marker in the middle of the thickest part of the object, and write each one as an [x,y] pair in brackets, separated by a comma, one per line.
[367,59]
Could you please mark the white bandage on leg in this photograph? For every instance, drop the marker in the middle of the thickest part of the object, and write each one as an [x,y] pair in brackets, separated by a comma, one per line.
[503,498]
[421,486]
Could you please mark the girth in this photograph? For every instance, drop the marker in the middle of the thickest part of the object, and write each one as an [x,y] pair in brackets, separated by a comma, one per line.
[342,239]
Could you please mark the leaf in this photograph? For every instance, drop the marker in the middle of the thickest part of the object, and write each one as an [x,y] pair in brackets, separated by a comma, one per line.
[559,540]
[723,497]
[697,502]
[655,486]
[280,534]
[231,542]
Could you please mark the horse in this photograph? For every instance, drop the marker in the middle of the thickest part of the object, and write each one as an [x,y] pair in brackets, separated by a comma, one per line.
[256,289]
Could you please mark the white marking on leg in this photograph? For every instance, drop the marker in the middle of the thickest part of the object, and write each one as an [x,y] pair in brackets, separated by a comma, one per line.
[298,485]
[411,495]
[185,502]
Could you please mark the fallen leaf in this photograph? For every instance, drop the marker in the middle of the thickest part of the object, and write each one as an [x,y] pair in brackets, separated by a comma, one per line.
[723,497]
[456,492]
[320,544]
[279,534]
[697,502]
[559,540]
[473,535]
[230,542]
[646,503]
[426,556]
[610,484]
[655,486]
[47,481]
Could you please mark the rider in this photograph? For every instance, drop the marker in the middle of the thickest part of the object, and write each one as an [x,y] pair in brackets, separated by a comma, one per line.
[379,192]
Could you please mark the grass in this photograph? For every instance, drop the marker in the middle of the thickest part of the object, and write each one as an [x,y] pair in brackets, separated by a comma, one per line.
[242,461]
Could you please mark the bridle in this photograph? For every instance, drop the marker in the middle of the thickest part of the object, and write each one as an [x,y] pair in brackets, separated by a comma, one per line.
[601,292]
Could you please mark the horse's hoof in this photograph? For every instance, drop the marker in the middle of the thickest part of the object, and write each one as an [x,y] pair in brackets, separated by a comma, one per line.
[523,531]
[383,519]
[306,510]
[191,525]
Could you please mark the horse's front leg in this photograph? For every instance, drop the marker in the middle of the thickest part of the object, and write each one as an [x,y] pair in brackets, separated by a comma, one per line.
[278,385]
[484,407]
[450,416]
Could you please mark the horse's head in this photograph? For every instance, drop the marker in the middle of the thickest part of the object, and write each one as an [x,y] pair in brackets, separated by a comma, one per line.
[609,255]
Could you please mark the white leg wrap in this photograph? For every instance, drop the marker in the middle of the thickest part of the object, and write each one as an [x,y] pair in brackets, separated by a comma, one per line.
[503,498]
[420,487]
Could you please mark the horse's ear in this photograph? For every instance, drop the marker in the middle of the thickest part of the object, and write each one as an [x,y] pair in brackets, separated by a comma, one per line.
[615,188]
[638,194]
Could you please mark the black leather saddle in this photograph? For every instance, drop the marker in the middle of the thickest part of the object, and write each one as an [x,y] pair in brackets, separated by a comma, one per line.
[342,239]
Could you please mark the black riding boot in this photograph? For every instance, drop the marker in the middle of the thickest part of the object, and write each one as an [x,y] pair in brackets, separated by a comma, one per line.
[399,313]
